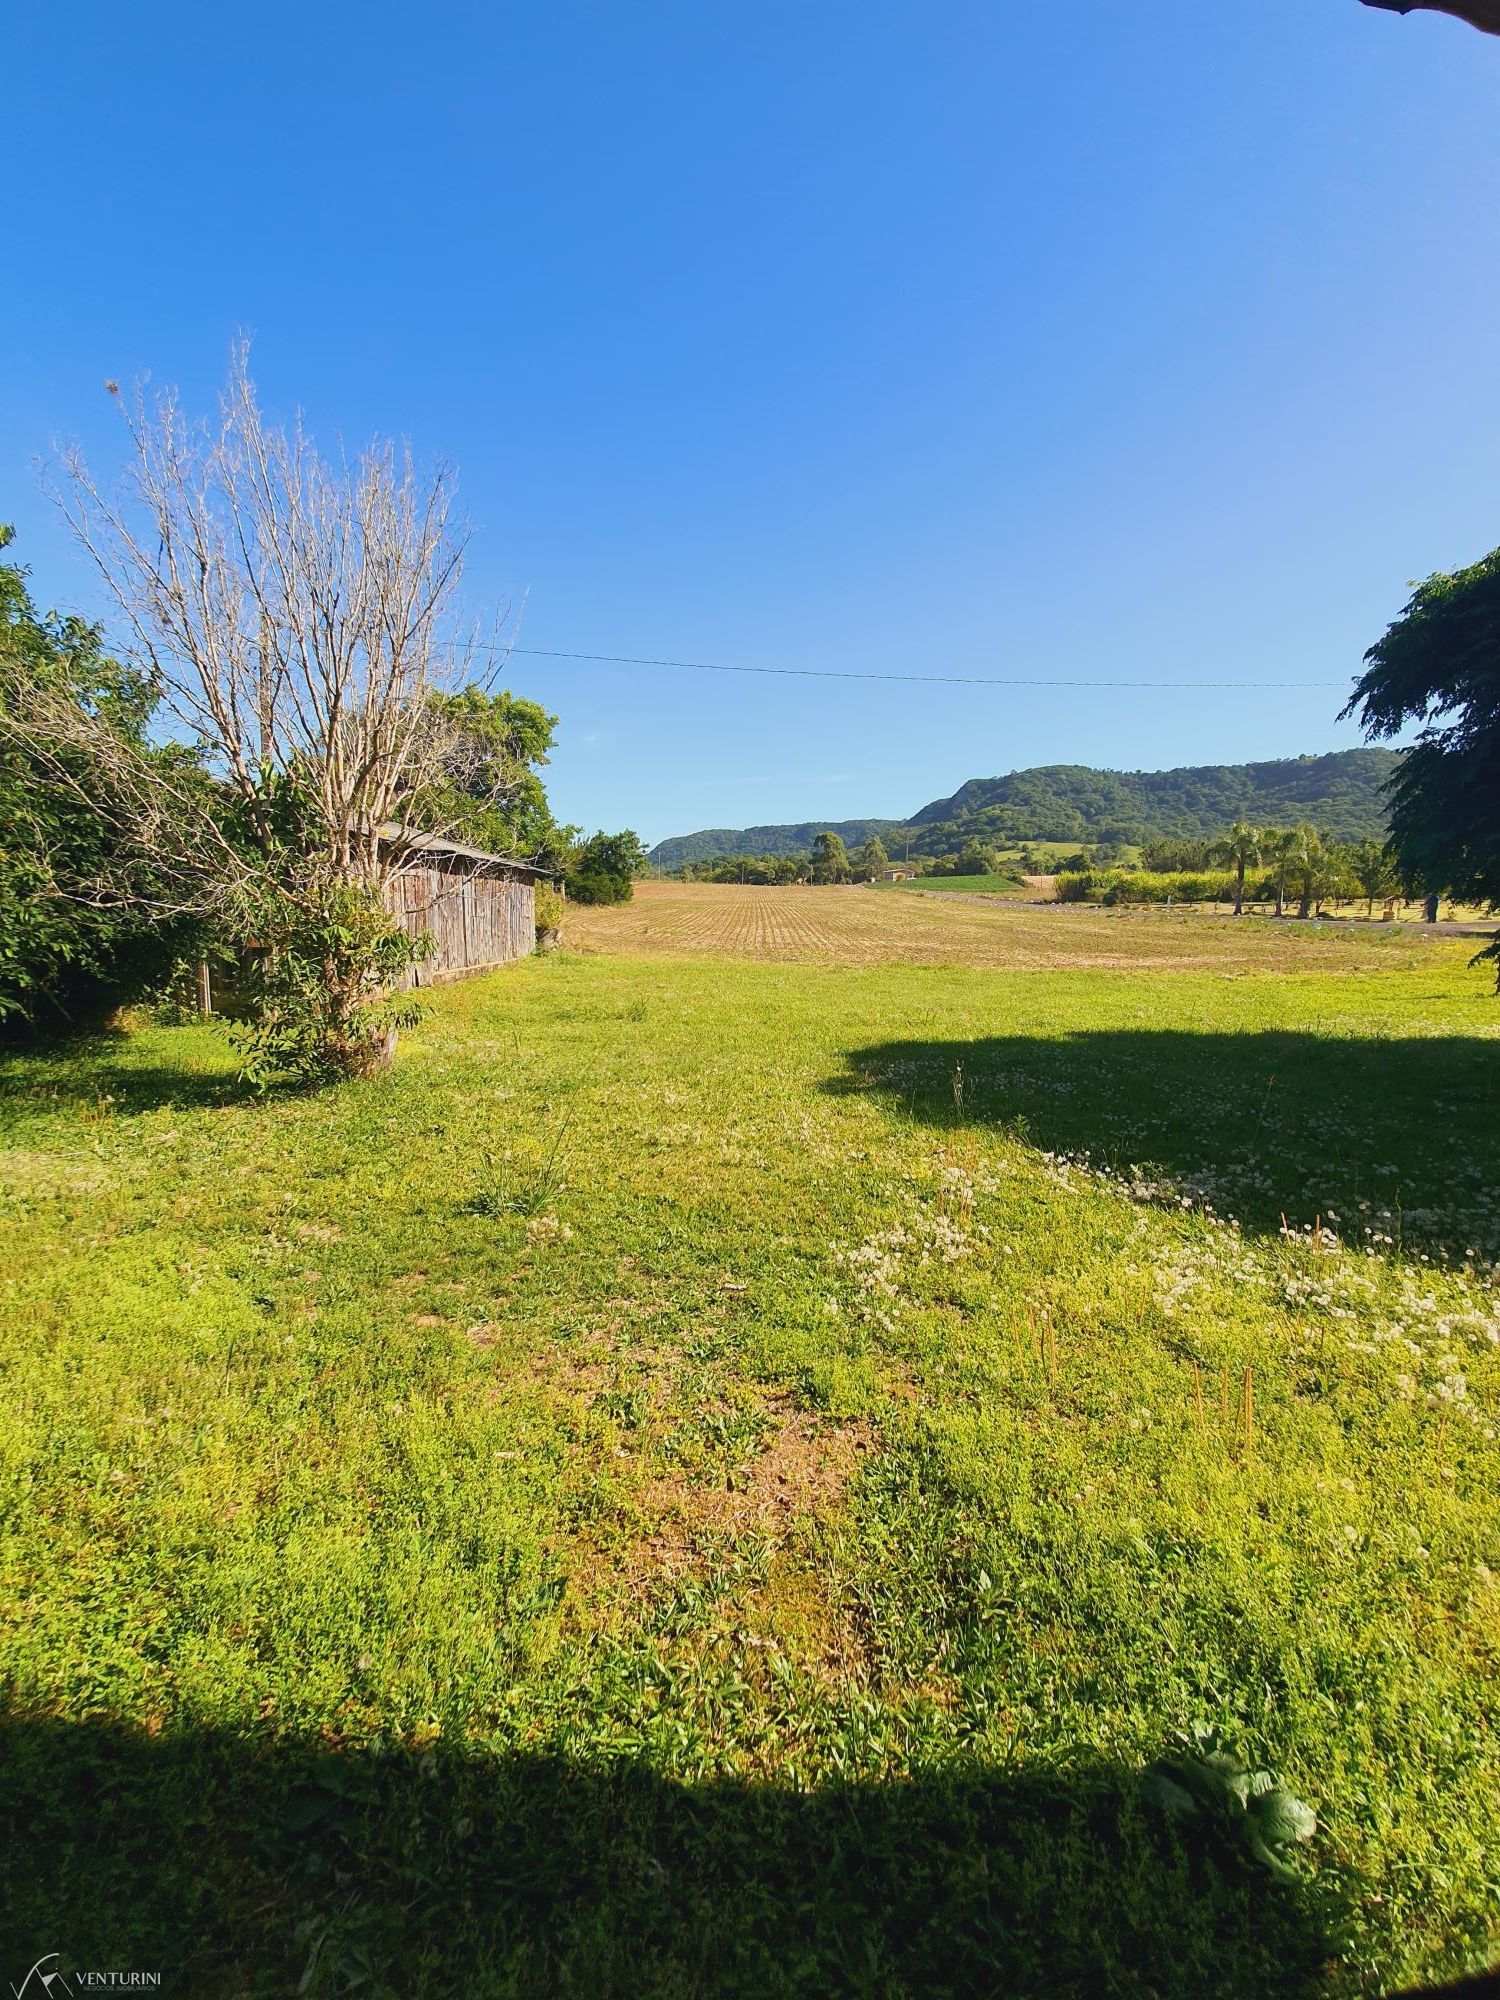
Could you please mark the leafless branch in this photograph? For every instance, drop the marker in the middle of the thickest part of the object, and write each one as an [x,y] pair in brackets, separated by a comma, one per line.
[296,613]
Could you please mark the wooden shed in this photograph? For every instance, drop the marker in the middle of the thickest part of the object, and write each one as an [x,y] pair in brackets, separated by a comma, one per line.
[479,908]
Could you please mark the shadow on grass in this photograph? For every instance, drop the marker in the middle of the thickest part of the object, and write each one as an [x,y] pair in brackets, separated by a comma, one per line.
[1263,1125]
[232,1870]
[97,1074]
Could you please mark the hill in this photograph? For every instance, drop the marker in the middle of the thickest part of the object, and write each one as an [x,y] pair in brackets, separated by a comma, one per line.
[1340,792]
[717,842]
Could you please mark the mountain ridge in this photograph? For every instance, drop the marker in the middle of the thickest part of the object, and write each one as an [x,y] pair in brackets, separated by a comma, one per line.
[1339,790]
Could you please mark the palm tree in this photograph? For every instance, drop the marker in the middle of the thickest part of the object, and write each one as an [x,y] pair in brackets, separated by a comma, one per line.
[1373,867]
[1306,862]
[1321,870]
[1281,845]
[1327,875]
[1239,847]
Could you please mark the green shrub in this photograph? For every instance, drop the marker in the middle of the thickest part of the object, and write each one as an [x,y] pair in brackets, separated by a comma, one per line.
[71,947]
[603,868]
[975,860]
[1090,885]
[317,1000]
[550,907]
[1117,886]
[1178,886]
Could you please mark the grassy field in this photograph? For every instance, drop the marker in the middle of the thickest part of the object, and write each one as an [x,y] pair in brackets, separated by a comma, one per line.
[716,1475]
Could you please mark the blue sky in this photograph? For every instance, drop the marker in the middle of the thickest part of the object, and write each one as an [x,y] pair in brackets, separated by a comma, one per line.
[1116,340]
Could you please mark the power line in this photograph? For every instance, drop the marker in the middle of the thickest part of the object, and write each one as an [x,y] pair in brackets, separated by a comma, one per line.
[920,680]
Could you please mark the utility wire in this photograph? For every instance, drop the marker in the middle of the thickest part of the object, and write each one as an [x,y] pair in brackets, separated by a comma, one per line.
[921,680]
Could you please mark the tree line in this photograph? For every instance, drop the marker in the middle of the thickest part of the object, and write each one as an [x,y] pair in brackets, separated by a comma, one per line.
[830,860]
[1254,864]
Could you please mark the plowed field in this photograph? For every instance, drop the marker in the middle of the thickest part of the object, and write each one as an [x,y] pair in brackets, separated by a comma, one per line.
[866,927]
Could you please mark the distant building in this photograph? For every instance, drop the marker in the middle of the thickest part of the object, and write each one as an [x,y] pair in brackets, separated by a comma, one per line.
[897,874]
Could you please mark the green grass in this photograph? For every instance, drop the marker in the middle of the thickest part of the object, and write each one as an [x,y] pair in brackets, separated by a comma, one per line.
[975,885]
[692,1486]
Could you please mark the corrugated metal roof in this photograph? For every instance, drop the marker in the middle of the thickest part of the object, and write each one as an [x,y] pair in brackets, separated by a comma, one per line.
[411,838]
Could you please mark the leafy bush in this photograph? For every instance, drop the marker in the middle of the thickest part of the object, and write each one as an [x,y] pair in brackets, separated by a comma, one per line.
[976,859]
[70,951]
[590,885]
[603,869]
[1206,1783]
[1112,886]
[1084,885]
[550,906]
[1181,886]
[316,1000]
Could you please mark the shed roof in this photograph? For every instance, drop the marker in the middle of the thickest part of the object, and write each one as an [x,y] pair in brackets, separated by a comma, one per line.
[436,847]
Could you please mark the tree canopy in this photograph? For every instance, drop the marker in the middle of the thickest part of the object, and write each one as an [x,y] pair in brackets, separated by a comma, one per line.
[872,860]
[830,858]
[603,868]
[489,792]
[1439,665]
[75,932]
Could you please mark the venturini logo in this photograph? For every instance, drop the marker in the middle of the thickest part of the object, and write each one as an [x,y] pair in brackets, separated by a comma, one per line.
[46,1982]
[40,1981]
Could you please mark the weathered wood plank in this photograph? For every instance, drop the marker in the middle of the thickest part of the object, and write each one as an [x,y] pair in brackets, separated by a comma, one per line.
[475,921]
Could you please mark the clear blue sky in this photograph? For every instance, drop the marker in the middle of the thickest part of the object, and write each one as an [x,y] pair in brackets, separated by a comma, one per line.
[1113,339]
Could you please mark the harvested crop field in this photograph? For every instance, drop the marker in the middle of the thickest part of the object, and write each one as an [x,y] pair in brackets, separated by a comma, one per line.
[860,926]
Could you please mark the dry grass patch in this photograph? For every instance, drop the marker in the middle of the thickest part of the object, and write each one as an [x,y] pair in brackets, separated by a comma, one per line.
[745,1557]
[749,1532]
[797,1479]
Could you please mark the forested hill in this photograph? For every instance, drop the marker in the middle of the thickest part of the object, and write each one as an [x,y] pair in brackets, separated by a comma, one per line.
[1340,793]
[715,842]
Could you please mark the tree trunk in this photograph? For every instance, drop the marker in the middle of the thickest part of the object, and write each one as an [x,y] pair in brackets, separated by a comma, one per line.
[1239,891]
[1430,910]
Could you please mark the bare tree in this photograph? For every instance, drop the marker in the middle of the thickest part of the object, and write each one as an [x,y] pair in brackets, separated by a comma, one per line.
[298,617]
[295,612]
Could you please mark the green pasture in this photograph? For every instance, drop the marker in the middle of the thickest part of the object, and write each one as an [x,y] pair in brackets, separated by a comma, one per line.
[974,885]
[715,1478]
